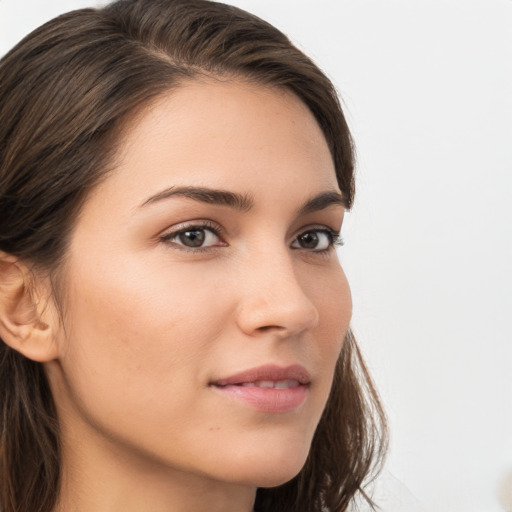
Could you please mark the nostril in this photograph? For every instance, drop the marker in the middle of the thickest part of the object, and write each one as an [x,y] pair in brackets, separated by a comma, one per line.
[266,328]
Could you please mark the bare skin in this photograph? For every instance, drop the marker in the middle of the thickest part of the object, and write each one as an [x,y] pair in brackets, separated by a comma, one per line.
[154,326]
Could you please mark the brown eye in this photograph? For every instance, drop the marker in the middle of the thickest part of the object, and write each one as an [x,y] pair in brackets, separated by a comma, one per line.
[192,238]
[316,240]
[308,240]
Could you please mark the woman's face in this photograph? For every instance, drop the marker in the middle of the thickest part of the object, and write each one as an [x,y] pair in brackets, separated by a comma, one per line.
[205,306]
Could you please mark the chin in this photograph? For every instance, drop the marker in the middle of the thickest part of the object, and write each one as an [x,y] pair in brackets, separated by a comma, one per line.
[278,479]
[269,467]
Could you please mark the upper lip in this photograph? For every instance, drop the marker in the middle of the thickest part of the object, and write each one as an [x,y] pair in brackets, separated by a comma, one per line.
[267,373]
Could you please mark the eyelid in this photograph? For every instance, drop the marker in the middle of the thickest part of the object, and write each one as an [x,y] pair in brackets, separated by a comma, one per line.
[335,236]
[207,225]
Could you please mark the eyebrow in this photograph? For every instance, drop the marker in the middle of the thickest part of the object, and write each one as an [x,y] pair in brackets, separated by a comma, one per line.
[242,202]
[205,195]
[322,201]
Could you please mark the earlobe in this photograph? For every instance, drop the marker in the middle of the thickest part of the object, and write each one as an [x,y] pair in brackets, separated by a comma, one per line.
[25,325]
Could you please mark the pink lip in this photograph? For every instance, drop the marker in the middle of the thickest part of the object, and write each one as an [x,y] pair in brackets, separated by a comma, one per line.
[267,372]
[270,400]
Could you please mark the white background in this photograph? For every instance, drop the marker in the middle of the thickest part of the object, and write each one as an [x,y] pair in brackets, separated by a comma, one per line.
[427,86]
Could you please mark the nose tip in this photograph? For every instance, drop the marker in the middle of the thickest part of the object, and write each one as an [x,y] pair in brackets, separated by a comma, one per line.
[281,307]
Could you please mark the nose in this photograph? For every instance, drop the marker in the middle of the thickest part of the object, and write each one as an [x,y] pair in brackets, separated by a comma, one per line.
[273,299]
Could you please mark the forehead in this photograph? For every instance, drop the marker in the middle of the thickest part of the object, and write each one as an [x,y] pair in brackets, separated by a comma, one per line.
[234,135]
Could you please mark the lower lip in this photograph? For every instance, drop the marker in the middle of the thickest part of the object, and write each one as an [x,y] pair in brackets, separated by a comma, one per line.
[267,399]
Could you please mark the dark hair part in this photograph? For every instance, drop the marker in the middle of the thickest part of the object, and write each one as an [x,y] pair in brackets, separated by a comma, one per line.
[65,92]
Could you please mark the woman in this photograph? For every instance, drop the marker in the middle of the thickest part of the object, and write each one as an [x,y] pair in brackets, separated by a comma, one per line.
[175,322]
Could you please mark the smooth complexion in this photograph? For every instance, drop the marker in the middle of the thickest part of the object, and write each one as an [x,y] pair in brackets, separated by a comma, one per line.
[180,304]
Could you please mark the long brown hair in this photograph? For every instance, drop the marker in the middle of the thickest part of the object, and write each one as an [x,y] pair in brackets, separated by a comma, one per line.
[65,92]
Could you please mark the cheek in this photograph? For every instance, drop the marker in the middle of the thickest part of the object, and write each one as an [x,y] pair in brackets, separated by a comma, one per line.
[139,325]
[331,295]
[333,301]
[336,304]
[139,341]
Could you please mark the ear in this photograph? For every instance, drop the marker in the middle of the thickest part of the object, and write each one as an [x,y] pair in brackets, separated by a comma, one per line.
[28,320]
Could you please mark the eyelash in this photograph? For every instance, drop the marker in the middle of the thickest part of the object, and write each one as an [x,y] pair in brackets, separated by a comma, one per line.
[335,239]
[203,225]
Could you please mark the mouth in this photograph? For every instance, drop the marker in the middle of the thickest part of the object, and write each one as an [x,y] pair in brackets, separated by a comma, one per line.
[270,384]
[270,389]
[268,376]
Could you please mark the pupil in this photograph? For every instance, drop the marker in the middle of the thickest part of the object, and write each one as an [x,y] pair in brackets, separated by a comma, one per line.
[308,240]
[192,238]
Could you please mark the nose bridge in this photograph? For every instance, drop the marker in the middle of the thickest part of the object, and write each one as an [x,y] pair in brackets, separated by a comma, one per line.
[272,295]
